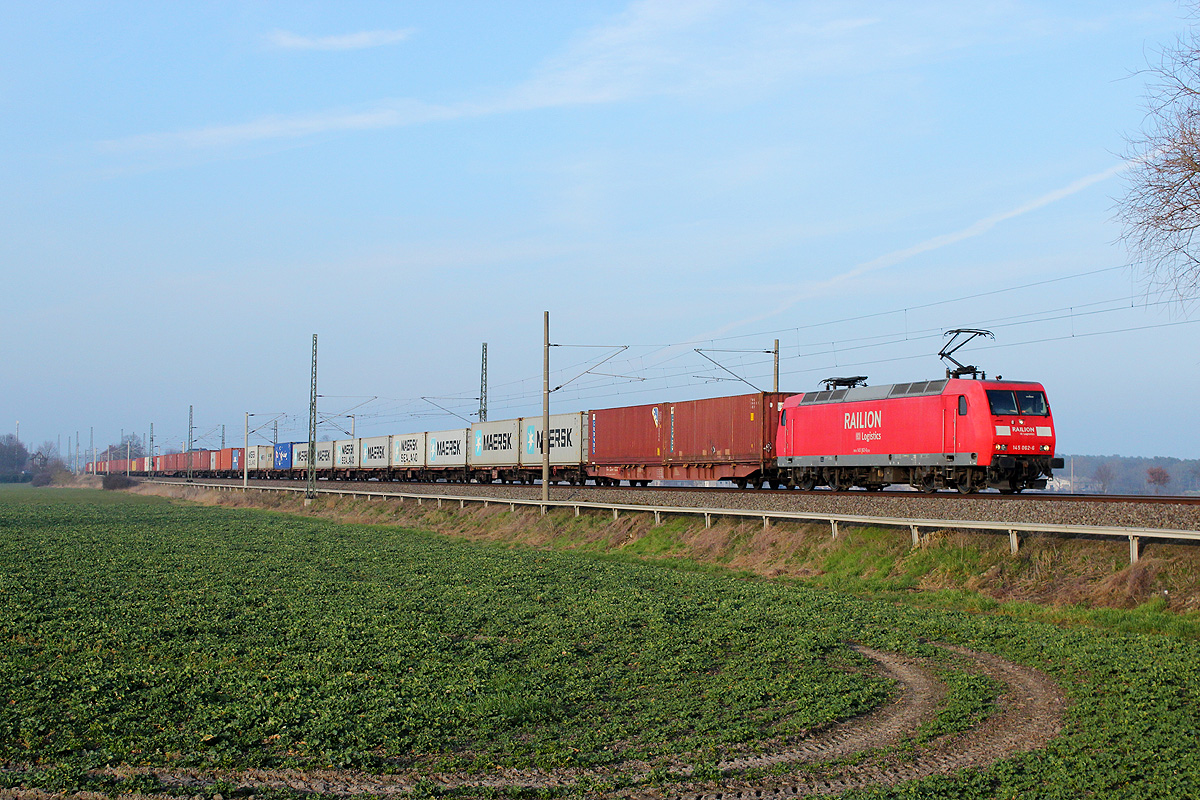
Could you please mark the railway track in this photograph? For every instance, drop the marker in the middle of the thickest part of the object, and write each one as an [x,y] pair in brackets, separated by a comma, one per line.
[633,491]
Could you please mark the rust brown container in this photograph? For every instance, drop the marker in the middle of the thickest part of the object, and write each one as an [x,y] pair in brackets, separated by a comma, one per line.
[627,443]
[730,438]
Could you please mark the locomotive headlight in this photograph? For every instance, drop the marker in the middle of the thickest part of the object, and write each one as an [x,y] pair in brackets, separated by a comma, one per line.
[1046,447]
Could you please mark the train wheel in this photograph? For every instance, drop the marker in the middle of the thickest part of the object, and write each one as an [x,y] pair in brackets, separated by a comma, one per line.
[964,485]
[928,483]
[807,483]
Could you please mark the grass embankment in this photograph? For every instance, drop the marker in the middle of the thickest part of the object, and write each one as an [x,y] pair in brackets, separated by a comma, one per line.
[139,631]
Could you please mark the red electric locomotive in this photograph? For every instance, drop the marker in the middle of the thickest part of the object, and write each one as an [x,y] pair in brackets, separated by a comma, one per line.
[965,434]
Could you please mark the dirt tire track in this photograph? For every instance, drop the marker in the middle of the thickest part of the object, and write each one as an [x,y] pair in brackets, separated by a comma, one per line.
[1029,714]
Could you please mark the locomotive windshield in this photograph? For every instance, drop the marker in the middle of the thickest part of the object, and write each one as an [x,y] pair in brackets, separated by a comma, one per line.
[1009,404]
[1003,402]
[1033,404]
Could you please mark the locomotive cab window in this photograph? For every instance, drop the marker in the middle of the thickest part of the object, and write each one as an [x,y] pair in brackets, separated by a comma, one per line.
[1033,404]
[1003,402]
[783,418]
[962,405]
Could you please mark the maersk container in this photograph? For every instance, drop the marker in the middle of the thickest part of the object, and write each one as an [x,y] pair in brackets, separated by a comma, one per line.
[325,458]
[495,444]
[283,455]
[300,455]
[373,452]
[345,454]
[445,449]
[568,439]
[408,450]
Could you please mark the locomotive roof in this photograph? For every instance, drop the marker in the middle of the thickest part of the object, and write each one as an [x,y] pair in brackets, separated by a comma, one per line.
[915,389]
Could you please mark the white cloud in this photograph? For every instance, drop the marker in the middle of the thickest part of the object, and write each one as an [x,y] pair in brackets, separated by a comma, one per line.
[654,47]
[706,48]
[349,41]
[388,115]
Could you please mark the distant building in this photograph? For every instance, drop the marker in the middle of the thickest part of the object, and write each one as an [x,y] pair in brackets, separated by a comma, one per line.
[1078,485]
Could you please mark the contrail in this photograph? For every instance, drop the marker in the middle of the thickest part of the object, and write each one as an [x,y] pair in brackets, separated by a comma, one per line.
[936,243]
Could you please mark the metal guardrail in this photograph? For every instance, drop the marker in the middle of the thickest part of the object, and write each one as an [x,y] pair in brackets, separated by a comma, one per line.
[1015,529]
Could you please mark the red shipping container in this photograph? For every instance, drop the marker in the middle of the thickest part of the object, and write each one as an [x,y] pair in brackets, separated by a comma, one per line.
[196,461]
[628,435]
[229,459]
[723,437]
[724,430]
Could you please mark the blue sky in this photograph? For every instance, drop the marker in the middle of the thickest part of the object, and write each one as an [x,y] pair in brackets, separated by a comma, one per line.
[190,191]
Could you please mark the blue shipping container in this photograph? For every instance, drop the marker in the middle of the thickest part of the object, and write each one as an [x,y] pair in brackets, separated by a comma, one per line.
[283,455]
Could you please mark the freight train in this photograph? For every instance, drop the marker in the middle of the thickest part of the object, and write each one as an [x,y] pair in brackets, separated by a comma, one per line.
[952,433]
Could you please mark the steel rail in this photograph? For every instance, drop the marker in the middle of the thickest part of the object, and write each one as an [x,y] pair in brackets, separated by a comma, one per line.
[915,525]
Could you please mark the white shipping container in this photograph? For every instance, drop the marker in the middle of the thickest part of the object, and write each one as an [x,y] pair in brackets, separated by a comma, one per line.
[446,448]
[345,454]
[300,455]
[408,450]
[373,452]
[568,440]
[325,455]
[496,444]
[260,457]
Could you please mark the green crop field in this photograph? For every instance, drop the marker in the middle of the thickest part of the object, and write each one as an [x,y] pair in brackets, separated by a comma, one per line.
[139,632]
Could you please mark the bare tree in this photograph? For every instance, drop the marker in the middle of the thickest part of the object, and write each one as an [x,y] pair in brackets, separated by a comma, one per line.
[130,445]
[1161,209]
[45,455]
[1105,475]
[1158,478]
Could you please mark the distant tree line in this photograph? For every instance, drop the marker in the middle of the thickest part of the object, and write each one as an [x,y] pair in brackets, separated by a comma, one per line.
[45,464]
[1131,475]
[14,460]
